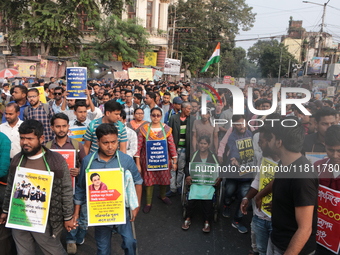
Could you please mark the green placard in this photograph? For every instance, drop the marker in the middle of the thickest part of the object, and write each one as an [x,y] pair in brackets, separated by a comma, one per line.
[203,173]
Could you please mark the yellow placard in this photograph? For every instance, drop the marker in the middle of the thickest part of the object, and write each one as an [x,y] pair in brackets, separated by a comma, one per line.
[105,197]
[140,73]
[266,176]
[150,59]
[26,69]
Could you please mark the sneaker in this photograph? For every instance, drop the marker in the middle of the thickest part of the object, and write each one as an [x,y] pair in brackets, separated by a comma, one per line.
[71,248]
[242,229]
[170,194]
[226,212]
[179,190]
[82,242]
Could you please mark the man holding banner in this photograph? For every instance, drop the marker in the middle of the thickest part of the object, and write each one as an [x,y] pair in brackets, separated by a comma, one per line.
[58,208]
[328,168]
[108,157]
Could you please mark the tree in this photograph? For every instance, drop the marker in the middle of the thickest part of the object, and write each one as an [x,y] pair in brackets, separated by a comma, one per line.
[54,23]
[210,22]
[124,37]
[266,54]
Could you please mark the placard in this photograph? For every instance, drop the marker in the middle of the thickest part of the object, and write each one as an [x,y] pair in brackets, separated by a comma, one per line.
[77,133]
[245,148]
[329,219]
[26,69]
[70,157]
[266,176]
[172,66]
[157,75]
[157,155]
[140,73]
[76,78]
[105,195]
[203,173]
[30,200]
[315,156]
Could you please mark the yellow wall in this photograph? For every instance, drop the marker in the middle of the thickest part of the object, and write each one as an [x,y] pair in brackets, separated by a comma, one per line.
[294,47]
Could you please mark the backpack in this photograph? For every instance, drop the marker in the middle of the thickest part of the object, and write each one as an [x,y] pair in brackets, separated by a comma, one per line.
[46,109]
[75,144]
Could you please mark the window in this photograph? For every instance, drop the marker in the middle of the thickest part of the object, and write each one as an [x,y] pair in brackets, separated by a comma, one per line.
[83,21]
[149,16]
[132,10]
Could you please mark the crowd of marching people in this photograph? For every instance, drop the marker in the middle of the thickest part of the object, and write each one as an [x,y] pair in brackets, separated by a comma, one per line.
[120,118]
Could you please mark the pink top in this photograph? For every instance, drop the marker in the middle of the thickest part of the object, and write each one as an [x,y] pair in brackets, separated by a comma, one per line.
[101,187]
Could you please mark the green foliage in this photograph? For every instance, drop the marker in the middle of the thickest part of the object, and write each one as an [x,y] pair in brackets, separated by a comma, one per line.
[114,35]
[86,60]
[266,54]
[211,22]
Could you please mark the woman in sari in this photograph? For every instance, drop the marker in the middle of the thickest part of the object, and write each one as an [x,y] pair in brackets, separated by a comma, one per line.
[151,132]
[138,121]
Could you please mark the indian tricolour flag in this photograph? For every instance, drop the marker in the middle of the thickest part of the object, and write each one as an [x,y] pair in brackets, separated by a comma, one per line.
[215,58]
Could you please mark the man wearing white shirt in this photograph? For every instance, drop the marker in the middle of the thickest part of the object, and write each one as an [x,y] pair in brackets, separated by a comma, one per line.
[131,146]
[11,127]
[81,115]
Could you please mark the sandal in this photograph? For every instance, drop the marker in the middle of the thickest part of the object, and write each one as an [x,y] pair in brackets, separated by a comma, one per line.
[206,228]
[165,200]
[186,225]
[147,208]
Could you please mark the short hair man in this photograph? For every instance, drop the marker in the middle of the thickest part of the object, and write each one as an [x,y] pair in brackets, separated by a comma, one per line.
[35,156]
[80,110]
[150,101]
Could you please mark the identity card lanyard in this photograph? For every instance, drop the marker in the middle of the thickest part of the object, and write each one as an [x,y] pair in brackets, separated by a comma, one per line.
[88,166]
[47,166]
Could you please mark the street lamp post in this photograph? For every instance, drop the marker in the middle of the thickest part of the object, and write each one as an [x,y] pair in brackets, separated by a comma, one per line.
[173,35]
[278,79]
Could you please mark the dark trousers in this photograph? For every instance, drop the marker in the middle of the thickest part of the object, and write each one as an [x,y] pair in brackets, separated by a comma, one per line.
[207,208]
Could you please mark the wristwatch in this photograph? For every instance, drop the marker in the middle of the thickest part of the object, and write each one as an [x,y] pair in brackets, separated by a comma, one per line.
[245,198]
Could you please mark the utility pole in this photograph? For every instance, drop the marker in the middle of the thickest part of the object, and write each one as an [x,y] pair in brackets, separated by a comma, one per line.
[278,79]
[289,68]
[322,24]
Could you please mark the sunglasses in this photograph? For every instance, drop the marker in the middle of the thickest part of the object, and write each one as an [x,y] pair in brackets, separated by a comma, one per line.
[156,115]
[57,94]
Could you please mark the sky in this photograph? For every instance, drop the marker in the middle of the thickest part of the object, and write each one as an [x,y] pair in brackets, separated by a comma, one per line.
[273,18]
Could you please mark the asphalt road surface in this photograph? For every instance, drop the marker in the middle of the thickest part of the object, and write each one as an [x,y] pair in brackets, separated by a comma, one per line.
[160,233]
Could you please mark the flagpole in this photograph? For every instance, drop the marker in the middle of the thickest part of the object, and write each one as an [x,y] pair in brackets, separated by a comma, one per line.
[218,70]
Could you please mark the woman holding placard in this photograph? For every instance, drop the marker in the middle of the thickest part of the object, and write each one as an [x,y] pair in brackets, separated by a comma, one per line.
[155,147]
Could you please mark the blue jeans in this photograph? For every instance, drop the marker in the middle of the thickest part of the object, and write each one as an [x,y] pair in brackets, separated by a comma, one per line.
[77,235]
[103,238]
[262,229]
[177,176]
[241,188]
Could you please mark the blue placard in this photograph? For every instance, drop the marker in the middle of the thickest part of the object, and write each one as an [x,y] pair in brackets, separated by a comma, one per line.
[76,82]
[157,155]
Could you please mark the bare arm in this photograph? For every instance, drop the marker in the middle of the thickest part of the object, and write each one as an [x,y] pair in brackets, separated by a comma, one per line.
[304,219]
[194,140]
[122,146]
[90,100]
[87,147]
[216,141]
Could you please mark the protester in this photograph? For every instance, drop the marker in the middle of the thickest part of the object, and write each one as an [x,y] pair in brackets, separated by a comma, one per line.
[108,156]
[138,121]
[150,132]
[11,127]
[131,146]
[35,156]
[129,107]
[40,112]
[57,101]
[201,192]
[150,101]
[177,101]
[81,115]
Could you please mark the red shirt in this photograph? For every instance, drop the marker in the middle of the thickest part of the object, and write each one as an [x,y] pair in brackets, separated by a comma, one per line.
[326,178]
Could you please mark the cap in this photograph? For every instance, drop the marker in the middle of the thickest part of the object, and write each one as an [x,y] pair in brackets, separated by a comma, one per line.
[53,86]
[177,100]
[185,93]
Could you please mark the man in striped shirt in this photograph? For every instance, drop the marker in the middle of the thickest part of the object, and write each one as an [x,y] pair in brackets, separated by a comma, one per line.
[111,115]
[181,126]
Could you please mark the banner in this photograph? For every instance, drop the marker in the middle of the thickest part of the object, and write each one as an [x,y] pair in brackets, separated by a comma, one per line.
[150,59]
[70,157]
[315,156]
[157,75]
[76,78]
[316,65]
[105,195]
[329,219]
[157,155]
[121,75]
[26,69]
[245,148]
[227,80]
[140,73]
[266,176]
[41,94]
[30,200]
[203,173]
[77,133]
[172,66]
[321,84]
[43,67]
